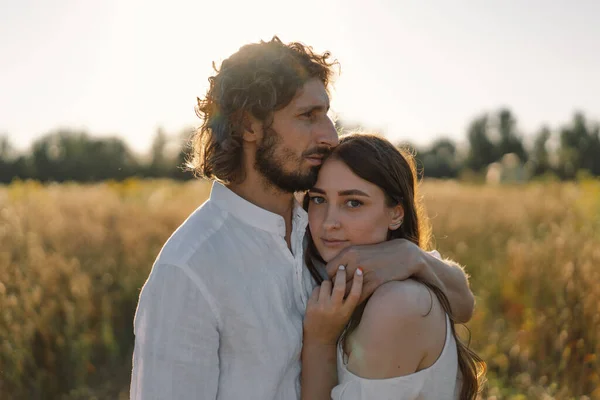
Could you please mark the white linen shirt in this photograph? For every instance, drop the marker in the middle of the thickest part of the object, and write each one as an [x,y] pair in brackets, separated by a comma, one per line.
[220,316]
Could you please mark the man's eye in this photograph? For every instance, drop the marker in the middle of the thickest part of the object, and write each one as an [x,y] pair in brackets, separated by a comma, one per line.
[354,203]
[317,199]
[308,114]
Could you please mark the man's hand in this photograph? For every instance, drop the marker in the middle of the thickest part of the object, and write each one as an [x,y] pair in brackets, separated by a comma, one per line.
[393,260]
[400,259]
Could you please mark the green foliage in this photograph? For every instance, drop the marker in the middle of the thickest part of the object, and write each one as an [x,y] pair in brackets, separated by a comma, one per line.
[580,147]
[491,136]
[75,156]
[482,151]
[441,159]
[68,155]
[540,157]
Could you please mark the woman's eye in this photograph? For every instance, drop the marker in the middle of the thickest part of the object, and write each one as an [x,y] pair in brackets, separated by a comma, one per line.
[354,203]
[317,199]
[308,114]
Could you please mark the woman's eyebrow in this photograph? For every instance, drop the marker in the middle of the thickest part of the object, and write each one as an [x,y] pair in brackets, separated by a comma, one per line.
[349,192]
[353,192]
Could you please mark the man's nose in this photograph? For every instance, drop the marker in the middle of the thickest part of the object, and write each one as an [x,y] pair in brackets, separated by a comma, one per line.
[327,134]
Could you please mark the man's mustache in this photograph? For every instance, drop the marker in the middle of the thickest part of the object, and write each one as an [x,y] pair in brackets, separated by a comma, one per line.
[319,151]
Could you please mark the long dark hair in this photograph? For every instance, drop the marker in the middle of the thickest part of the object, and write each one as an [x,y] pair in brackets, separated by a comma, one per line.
[376,160]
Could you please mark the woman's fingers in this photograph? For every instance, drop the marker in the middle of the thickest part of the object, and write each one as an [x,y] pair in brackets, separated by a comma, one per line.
[339,286]
[347,257]
[332,293]
[325,292]
[355,291]
[314,296]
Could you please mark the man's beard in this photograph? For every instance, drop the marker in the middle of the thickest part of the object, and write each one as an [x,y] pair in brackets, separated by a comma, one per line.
[272,167]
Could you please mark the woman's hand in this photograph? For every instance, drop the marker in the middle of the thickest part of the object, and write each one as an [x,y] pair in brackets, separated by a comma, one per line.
[327,312]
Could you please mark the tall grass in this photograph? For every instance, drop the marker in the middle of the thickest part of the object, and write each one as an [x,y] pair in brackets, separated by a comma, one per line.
[534,256]
[73,258]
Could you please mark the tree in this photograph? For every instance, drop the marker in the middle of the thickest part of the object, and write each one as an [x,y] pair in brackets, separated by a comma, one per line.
[73,155]
[440,160]
[540,159]
[579,147]
[493,136]
[7,156]
[510,141]
[482,151]
[158,162]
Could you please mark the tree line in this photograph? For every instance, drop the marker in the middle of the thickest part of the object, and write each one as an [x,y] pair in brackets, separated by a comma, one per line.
[562,152]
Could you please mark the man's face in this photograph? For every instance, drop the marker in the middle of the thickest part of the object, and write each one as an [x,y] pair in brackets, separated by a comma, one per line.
[301,135]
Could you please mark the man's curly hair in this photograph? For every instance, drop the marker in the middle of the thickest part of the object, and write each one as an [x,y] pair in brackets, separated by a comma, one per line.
[259,78]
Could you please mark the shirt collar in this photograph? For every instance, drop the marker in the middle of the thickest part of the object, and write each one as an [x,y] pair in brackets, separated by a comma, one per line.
[252,214]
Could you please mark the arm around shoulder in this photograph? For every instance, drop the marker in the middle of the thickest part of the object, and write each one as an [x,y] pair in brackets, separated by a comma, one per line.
[453,281]
[176,339]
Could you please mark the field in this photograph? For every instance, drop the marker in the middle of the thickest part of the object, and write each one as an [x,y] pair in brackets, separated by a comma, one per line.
[73,258]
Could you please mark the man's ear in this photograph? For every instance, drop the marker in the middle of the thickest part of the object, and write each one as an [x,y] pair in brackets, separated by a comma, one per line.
[252,128]
[397,214]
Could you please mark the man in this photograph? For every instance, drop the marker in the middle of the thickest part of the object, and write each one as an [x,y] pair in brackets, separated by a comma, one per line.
[220,316]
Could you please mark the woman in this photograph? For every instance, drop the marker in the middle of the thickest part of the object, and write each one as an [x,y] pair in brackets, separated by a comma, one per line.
[400,343]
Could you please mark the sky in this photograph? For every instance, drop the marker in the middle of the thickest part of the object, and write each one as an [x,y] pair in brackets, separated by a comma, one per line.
[414,70]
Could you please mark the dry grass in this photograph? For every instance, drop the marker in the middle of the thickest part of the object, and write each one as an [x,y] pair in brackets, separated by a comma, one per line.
[73,258]
[534,256]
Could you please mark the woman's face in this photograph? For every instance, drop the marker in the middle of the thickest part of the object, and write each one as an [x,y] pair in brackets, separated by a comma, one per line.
[346,210]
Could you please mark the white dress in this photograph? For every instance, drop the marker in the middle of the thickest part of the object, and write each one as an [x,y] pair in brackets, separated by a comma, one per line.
[437,382]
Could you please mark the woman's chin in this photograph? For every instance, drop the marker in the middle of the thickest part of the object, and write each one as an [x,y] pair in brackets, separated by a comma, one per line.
[328,254]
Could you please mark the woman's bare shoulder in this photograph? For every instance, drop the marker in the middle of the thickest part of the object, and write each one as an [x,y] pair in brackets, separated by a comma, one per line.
[401,323]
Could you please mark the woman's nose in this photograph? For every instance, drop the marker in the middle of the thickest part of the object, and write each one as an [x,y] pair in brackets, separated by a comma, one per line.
[331,220]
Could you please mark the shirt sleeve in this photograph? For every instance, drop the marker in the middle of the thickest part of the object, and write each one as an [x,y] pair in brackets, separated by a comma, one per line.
[176,339]
[436,254]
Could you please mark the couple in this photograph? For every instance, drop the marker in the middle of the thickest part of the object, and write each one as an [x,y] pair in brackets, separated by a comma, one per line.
[256,296]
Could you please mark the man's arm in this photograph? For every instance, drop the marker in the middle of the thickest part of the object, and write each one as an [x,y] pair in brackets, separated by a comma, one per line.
[401,259]
[451,278]
[176,340]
